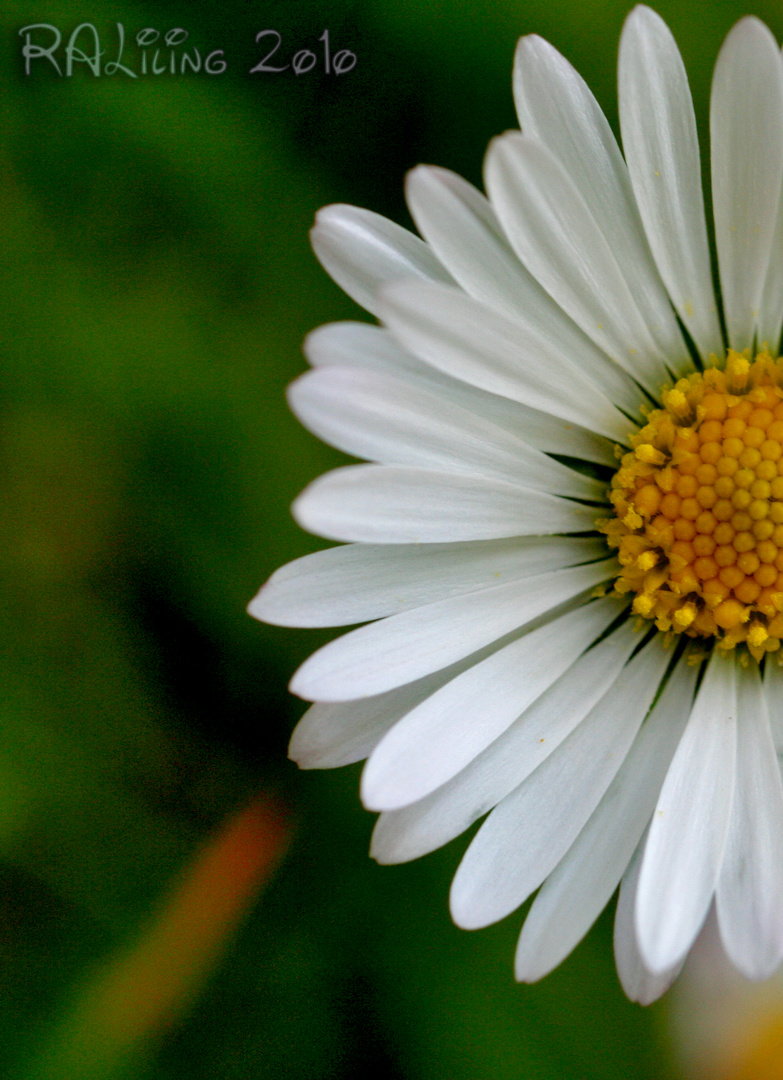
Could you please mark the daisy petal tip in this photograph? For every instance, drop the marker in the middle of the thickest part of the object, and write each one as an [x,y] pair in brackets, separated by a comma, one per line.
[510,137]
[748,22]
[298,688]
[536,59]
[298,754]
[267,608]
[307,752]
[380,792]
[461,914]
[311,342]
[374,803]
[526,971]
[305,685]
[470,905]
[381,851]
[321,227]
[468,909]
[333,212]
[334,226]
[419,174]
[748,27]
[319,220]
[643,11]
[654,944]
[648,993]
[426,184]
[532,44]
[497,155]
[323,240]
[302,511]
[256,607]
[642,20]
[292,391]
[659,954]
[299,511]
[371,788]
[758,971]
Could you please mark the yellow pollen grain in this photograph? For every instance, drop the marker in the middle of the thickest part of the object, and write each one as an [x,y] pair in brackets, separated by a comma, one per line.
[650,455]
[698,502]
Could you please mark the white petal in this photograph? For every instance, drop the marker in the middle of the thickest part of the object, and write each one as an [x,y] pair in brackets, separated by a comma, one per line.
[331,734]
[388,421]
[406,646]
[555,107]
[469,341]
[527,834]
[638,983]
[770,322]
[687,835]
[662,150]
[746,130]
[446,732]
[389,504]
[773,691]
[401,835]
[575,894]
[337,733]
[362,251]
[771,317]
[555,235]
[358,344]
[360,582]
[361,345]
[749,897]
[462,229]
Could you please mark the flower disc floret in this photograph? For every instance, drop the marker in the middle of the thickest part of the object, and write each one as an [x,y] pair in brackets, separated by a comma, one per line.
[699,507]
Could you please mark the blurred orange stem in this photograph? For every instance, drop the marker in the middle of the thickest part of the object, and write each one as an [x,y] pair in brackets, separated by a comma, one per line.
[147,986]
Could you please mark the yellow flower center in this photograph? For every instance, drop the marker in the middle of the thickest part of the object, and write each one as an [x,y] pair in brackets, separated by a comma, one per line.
[699,507]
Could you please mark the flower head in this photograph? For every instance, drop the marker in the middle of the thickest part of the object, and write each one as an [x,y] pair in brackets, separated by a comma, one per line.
[569,543]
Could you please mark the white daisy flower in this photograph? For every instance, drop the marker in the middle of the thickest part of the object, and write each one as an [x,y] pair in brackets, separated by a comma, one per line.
[569,544]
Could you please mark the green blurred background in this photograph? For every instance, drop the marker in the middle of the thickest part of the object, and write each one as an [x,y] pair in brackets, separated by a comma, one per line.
[156,285]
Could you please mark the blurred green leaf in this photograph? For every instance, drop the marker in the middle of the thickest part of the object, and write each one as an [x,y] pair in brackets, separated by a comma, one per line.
[157,283]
